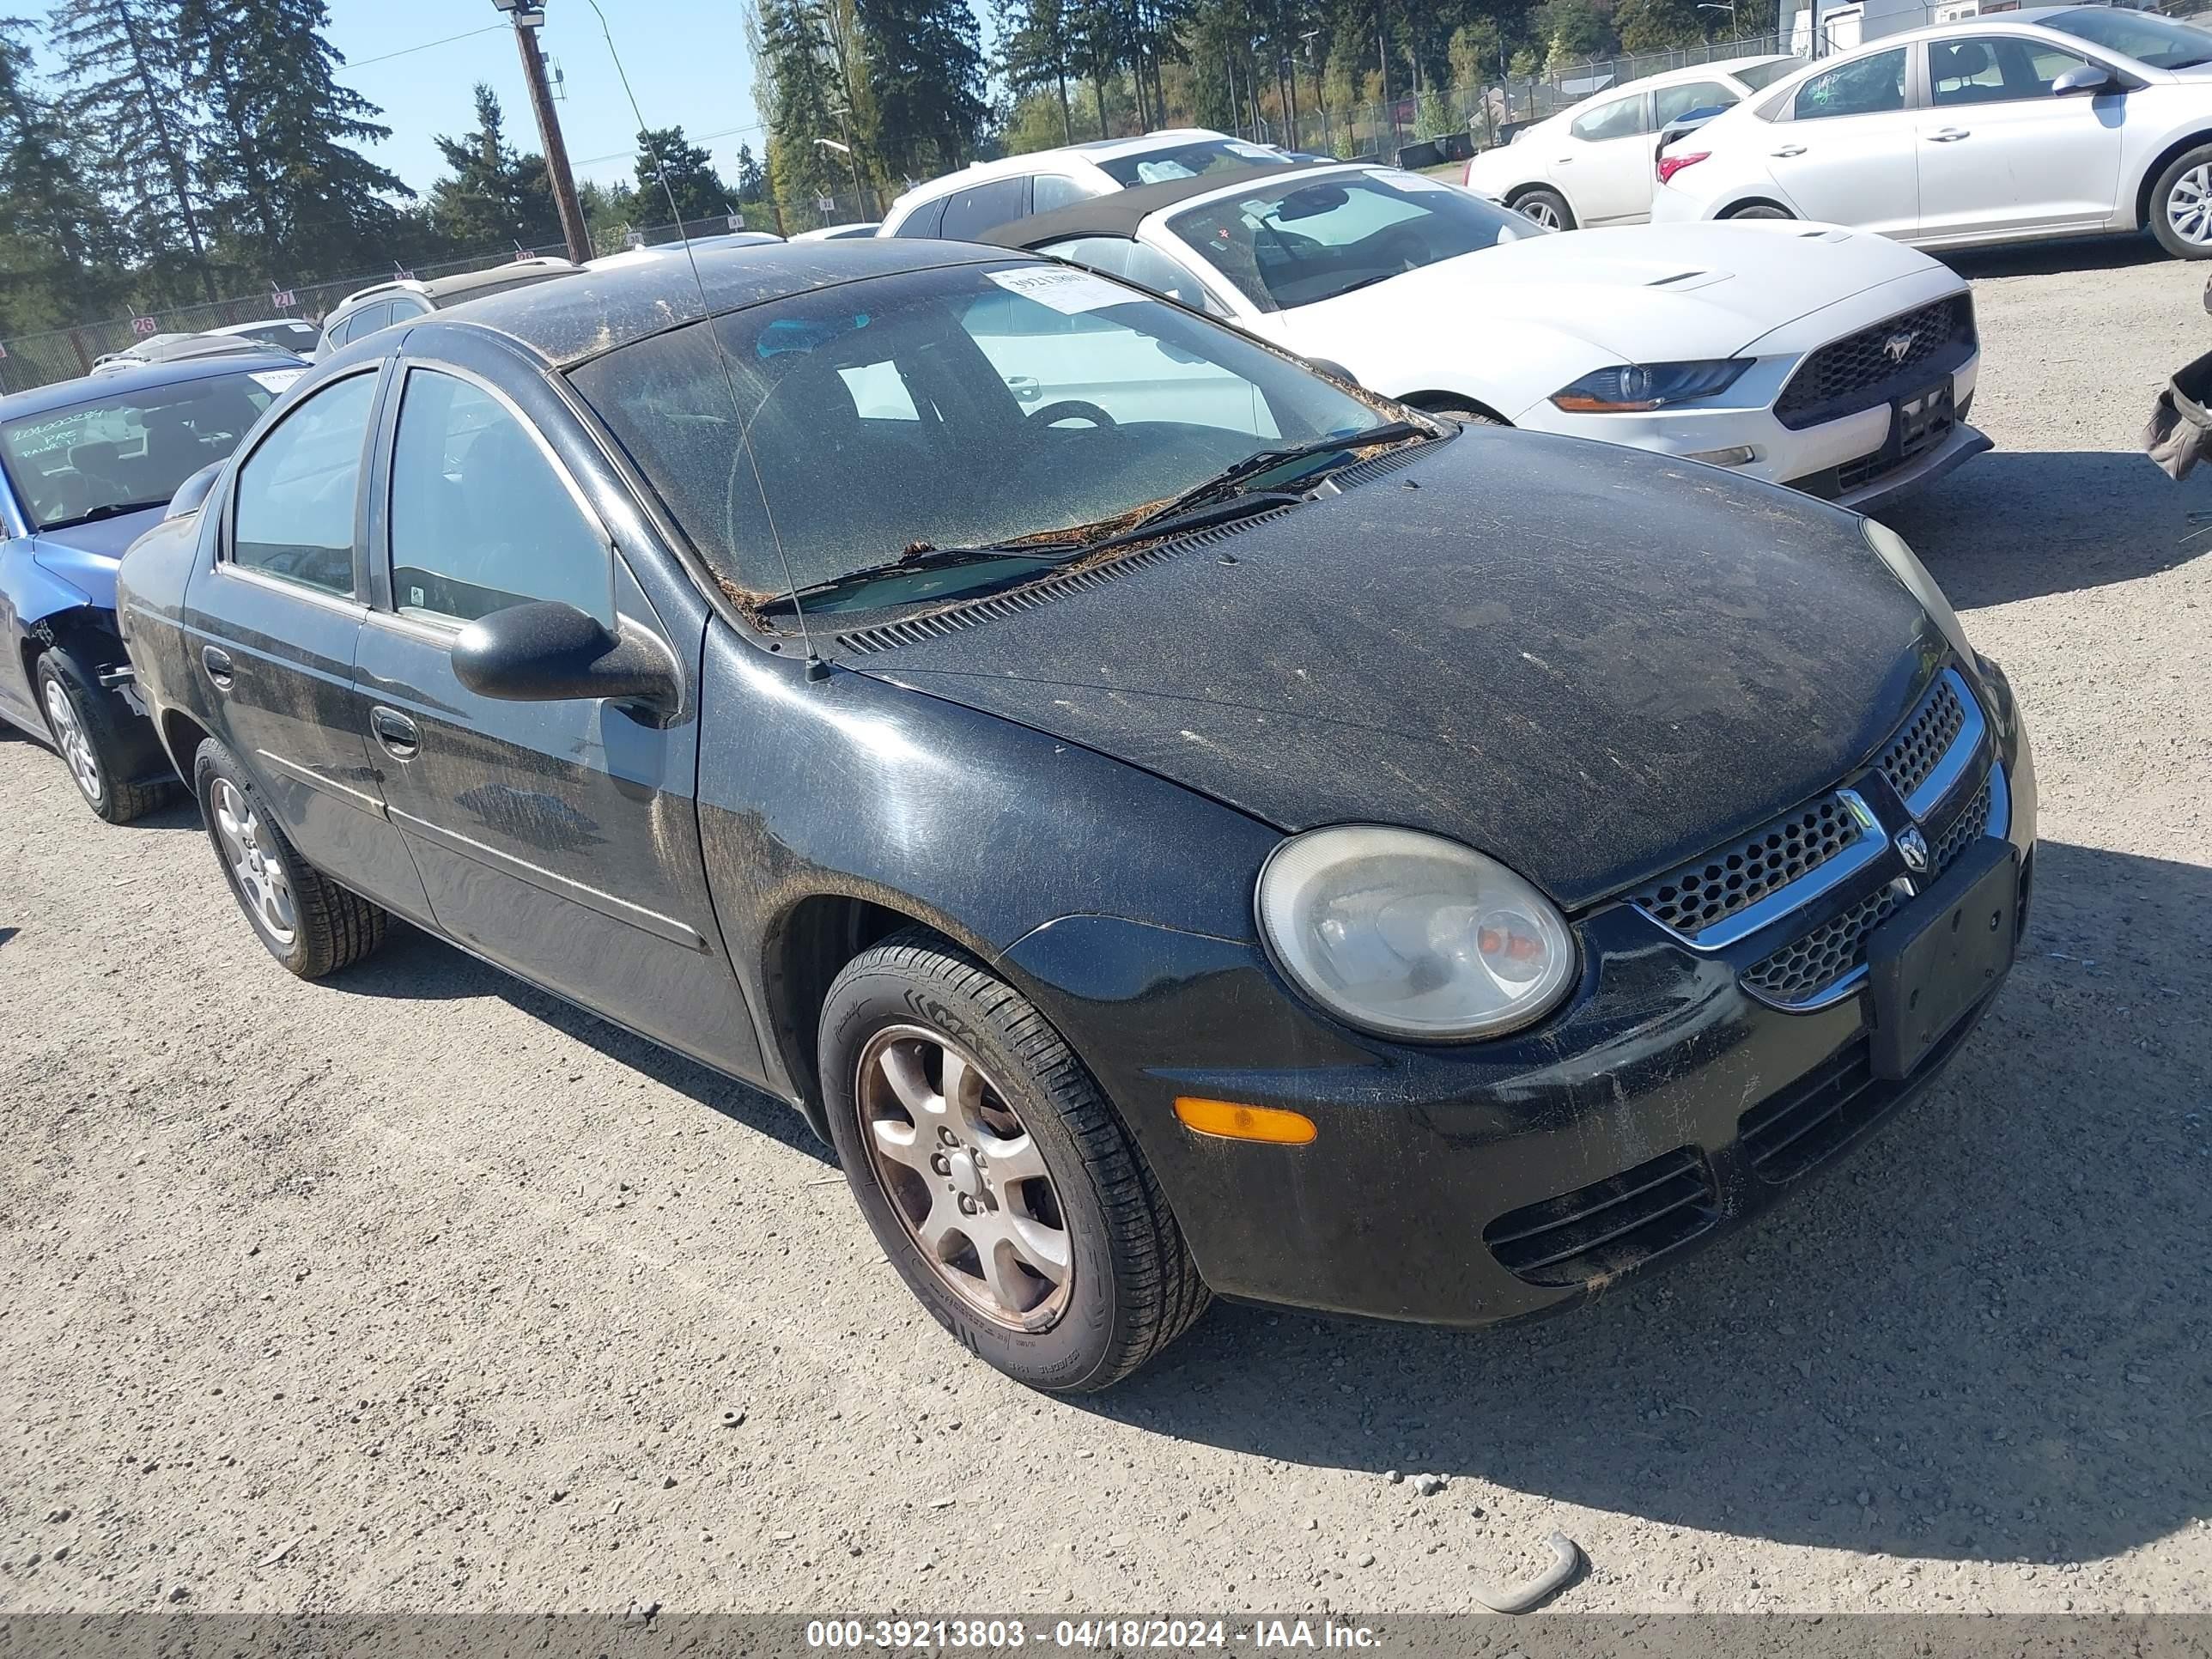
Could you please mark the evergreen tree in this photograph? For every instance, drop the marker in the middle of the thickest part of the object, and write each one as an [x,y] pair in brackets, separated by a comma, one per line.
[685,172]
[291,197]
[795,85]
[59,252]
[752,183]
[925,76]
[1657,25]
[494,197]
[126,83]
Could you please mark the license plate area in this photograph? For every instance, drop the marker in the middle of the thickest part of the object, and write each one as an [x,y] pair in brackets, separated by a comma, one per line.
[1942,954]
[1923,419]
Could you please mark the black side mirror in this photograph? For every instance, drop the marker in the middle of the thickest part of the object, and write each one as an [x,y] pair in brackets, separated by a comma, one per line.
[193,492]
[2091,78]
[550,651]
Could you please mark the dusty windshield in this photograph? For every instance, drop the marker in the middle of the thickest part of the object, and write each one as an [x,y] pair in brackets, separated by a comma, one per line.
[1292,242]
[126,453]
[909,415]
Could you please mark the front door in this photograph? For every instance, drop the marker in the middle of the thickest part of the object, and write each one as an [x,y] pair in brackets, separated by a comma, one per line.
[2000,153]
[278,667]
[559,839]
[1847,155]
[1603,161]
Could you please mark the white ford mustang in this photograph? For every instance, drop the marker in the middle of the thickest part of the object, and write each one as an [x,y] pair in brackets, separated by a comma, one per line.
[1834,362]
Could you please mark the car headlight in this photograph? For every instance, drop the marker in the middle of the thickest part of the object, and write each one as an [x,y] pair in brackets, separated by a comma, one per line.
[1628,387]
[1411,935]
[1907,569]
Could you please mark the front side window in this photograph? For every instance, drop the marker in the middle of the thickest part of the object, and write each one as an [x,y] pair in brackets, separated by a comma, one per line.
[480,519]
[1290,242]
[886,421]
[2160,42]
[117,455]
[1621,118]
[985,207]
[1133,262]
[1985,69]
[1049,190]
[1872,85]
[1673,102]
[294,517]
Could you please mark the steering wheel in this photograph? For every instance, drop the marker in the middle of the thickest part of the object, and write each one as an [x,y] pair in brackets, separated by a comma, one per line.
[1072,408]
[1407,250]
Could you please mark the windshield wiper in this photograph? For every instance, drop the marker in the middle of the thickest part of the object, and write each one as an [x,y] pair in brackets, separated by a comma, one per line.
[1230,482]
[110,510]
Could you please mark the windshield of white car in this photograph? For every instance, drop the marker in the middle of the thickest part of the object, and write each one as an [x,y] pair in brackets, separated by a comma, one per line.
[2145,37]
[121,454]
[1194,160]
[1293,241]
[962,408]
[1758,76]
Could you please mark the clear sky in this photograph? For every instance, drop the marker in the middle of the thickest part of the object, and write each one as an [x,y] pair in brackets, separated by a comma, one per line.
[686,58]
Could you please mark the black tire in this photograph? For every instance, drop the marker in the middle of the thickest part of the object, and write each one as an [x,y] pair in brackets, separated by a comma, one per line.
[1758,210]
[1544,201]
[1132,1288]
[2162,203]
[330,928]
[101,719]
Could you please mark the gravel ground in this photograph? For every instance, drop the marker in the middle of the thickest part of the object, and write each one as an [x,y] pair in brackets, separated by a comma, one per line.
[416,1290]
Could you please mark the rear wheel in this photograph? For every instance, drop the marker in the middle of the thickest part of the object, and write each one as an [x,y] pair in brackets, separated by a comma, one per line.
[302,918]
[993,1174]
[1756,210]
[88,724]
[2181,205]
[1547,208]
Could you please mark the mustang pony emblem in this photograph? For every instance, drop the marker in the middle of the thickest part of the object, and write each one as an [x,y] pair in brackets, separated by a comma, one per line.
[1896,345]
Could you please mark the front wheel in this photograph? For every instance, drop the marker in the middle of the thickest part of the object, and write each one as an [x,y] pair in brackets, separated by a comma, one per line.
[993,1174]
[1547,208]
[2181,205]
[88,724]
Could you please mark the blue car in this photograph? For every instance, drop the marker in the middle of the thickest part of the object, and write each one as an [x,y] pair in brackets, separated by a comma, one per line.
[86,467]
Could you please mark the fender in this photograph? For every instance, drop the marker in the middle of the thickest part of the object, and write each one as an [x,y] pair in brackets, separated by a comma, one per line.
[36,591]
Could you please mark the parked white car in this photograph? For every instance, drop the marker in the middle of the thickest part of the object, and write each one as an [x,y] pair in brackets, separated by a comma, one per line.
[1591,164]
[962,206]
[1838,364]
[2052,121]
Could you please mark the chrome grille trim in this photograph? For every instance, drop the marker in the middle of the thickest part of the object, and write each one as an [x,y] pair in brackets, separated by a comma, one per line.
[1775,903]
[1924,789]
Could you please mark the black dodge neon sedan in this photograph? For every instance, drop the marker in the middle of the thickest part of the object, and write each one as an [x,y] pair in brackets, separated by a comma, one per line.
[1175,823]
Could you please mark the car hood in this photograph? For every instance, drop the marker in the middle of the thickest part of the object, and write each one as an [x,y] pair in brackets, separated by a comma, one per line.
[86,554]
[1642,293]
[1588,661]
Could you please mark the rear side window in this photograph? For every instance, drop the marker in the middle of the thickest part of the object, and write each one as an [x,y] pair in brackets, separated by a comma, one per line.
[1117,256]
[1621,118]
[480,519]
[985,207]
[293,516]
[1866,85]
[924,221]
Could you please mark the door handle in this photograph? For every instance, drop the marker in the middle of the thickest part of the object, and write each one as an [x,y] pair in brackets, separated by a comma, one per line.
[400,737]
[1790,149]
[1024,387]
[217,663]
[1948,135]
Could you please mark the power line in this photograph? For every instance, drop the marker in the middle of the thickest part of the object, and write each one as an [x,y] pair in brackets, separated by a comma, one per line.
[699,139]
[385,57]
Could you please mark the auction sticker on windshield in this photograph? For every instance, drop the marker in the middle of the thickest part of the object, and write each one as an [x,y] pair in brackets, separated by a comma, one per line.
[275,379]
[1071,292]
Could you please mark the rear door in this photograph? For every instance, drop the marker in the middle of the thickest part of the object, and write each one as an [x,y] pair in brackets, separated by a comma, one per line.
[1846,150]
[1603,161]
[271,630]
[559,839]
[2000,153]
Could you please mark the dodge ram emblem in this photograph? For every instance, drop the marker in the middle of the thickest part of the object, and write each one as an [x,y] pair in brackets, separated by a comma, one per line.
[1896,345]
[1914,846]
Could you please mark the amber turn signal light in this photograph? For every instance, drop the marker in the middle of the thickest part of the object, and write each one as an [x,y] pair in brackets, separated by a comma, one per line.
[1232,1122]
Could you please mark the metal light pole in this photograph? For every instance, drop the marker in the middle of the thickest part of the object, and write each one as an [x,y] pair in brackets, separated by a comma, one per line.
[528,17]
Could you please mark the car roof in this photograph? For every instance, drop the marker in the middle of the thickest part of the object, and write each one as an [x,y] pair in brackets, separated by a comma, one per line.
[458,286]
[119,383]
[1120,213]
[1091,152]
[596,312]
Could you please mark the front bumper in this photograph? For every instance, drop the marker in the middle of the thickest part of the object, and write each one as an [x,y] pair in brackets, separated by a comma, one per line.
[1663,1105]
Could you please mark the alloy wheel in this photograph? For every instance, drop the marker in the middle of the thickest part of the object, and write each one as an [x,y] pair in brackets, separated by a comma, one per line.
[1542,212]
[76,746]
[258,873]
[2189,206]
[965,1175]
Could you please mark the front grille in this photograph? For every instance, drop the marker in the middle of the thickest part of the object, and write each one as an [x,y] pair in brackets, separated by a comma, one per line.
[1736,876]
[1925,739]
[1858,371]
[1967,828]
[1801,970]
[1594,1232]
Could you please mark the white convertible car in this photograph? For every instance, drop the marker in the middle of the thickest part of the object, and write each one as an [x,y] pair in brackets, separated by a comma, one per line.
[2048,121]
[1837,363]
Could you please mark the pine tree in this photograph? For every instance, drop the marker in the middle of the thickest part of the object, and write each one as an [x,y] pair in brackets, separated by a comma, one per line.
[60,253]
[496,197]
[291,195]
[669,164]
[126,83]
[795,84]
[926,73]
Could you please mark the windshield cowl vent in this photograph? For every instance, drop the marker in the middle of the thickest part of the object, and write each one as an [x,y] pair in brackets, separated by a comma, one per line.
[973,613]
[1374,467]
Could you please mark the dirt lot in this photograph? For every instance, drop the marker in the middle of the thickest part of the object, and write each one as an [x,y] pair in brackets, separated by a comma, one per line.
[416,1290]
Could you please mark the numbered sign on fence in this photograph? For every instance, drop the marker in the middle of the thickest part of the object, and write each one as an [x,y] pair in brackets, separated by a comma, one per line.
[825,205]
[144,325]
[736,221]
[283,299]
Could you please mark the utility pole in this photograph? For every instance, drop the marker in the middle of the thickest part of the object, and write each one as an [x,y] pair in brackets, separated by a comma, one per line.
[528,17]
